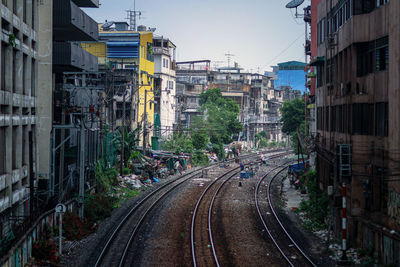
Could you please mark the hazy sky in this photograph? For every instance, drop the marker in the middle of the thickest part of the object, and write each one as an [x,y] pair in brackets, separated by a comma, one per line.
[260,33]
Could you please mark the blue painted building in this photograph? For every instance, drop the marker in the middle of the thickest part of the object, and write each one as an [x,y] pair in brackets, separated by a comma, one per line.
[291,74]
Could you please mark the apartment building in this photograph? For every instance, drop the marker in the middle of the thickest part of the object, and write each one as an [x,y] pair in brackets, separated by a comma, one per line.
[164,51]
[22,120]
[265,103]
[192,78]
[358,119]
[119,48]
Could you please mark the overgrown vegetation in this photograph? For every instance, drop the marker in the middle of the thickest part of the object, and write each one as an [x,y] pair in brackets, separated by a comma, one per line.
[98,207]
[105,177]
[315,208]
[45,253]
[293,118]
[76,228]
[209,132]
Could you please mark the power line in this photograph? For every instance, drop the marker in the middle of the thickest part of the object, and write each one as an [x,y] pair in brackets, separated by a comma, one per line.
[284,50]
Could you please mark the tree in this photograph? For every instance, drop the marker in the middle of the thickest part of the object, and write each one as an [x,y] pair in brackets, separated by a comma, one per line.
[219,122]
[292,115]
[259,137]
[128,143]
[178,143]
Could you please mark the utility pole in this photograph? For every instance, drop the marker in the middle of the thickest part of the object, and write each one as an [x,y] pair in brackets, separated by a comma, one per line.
[123,135]
[145,121]
[81,197]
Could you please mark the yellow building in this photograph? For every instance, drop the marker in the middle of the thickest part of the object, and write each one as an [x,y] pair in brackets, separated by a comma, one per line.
[120,48]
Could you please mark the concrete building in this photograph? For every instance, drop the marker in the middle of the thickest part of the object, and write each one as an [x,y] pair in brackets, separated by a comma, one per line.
[265,103]
[192,78]
[165,83]
[120,48]
[22,113]
[75,95]
[358,114]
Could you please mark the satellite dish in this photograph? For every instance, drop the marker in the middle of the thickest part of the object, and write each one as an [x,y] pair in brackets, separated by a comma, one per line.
[108,24]
[294,3]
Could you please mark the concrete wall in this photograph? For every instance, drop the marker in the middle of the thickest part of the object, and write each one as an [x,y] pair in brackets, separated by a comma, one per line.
[45,85]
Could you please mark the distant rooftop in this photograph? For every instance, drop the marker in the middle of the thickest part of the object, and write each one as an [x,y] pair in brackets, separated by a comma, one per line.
[292,65]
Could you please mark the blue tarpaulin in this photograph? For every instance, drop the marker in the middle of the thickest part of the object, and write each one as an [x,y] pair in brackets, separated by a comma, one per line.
[295,168]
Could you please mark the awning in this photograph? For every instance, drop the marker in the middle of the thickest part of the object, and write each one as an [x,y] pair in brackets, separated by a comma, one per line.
[122,49]
[317,61]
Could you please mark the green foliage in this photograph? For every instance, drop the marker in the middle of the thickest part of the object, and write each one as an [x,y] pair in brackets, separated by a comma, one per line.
[105,177]
[126,171]
[273,143]
[200,159]
[200,137]
[262,143]
[98,207]
[177,143]
[11,40]
[292,115]
[128,142]
[219,123]
[294,141]
[316,207]
[261,136]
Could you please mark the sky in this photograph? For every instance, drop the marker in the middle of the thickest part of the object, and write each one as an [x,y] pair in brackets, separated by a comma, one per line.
[259,33]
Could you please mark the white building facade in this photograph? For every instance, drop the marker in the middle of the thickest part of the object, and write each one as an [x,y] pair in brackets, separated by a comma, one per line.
[165,83]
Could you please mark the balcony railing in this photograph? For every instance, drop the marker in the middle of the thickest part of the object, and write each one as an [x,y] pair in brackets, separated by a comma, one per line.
[161,50]
[264,119]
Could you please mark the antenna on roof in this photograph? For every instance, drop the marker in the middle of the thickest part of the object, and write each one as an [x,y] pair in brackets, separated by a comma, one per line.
[229,57]
[132,15]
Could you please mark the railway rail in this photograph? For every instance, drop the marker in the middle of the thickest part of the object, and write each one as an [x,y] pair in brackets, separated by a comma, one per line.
[110,253]
[203,247]
[284,242]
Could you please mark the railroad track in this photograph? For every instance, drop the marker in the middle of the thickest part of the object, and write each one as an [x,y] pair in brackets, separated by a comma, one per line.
[287,246]
[203,247]
[121,237]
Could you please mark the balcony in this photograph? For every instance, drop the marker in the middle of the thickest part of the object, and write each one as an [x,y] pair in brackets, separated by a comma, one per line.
[70,56]
[264,119]
[161,51]
[72,24]
[87,3]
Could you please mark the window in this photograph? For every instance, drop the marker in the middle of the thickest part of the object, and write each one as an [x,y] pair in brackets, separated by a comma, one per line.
[166,63]
[373,56]
[363,6]
[141,51]
[3,67]
[363,118]
[381,2]
[382,54]
[33,78]
[321,31]
[24,10]
[3,153]
[381,119]
[320,75]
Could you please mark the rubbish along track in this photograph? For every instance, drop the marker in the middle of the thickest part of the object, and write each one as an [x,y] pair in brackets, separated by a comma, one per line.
[291,252]
[203,243]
